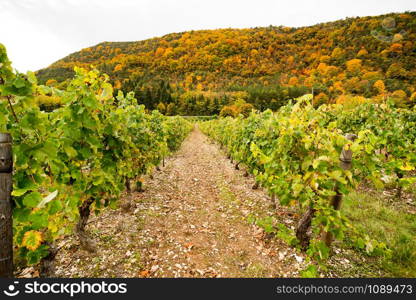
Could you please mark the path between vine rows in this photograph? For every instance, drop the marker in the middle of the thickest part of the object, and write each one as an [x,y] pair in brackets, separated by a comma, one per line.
[191,221]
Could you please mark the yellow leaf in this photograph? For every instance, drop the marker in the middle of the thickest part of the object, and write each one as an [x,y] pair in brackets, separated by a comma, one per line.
[32,240]
[406,167]
[53,227]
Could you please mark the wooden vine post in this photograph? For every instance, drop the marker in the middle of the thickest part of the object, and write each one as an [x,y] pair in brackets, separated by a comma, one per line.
[6,225]
[306,220]
[345,163]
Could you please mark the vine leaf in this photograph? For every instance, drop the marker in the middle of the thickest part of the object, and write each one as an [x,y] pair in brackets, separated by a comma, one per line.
[32,240]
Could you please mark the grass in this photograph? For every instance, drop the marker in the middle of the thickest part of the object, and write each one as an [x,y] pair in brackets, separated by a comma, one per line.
[388,223]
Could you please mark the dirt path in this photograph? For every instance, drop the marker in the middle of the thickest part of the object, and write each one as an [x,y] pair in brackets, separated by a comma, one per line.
[191,221]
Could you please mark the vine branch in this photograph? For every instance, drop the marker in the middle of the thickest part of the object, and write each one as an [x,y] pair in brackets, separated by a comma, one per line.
[11,108]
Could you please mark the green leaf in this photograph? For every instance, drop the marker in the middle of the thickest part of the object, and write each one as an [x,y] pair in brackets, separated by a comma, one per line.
[31,77]
[310,272]
[39,219]
[71,152]
[19,192]
[54,207]
[32,200]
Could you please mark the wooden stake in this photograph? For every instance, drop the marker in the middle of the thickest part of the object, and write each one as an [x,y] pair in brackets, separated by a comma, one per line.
[345,163]
[6,221]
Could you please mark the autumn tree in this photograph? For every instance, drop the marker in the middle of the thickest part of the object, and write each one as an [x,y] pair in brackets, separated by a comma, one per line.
[380,87]
[273,65]
[321,98]
[396,71]
[293,80]
[400,98]
[362,52]
[229,111]
[337,53]
[412,100]
[170,109]
[161,108]
[354,65]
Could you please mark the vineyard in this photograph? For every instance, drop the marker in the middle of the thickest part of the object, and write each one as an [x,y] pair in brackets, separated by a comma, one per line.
[310,158]
[161,184]
[77,158]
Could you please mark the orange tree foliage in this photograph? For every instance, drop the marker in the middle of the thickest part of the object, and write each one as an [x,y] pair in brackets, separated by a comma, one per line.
[400,98]
[380,87]
[354,65]
[238,108]
[271,64]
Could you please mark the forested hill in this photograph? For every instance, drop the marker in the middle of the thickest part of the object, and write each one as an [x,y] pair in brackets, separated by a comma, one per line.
[198,72]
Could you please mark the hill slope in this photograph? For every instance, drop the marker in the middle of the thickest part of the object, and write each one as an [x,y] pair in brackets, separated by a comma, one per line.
[366,56]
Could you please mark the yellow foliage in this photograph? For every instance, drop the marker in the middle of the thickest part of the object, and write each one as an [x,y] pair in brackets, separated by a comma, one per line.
[161,108]
[321,98]
[354,65]
[337,53]
[378,99]
[396,47]
[379,86]
[309,81]
[32,240]
[170,109]
[331,71]
[413,98]
[233,57]
[239,107]
[372,75]
[51,82]
[362,52]
[322,68]
[159,51]
[324,58]
[118,68]
[293,81]
[397,37]
[400,98]
[395,70]
[351,100]
[399,94]
[117,85]
[229,111]
[48,102]
[168,52]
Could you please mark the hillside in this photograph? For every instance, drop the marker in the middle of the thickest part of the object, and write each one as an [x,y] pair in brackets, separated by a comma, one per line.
[198,72]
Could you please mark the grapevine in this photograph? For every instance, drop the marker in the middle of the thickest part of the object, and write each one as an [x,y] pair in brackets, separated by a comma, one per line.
[78,157]
[295,155]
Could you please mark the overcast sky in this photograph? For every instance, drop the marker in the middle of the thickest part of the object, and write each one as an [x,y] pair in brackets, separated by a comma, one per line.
[39,32]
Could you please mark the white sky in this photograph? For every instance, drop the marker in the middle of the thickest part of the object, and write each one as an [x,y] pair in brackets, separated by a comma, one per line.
[39,32]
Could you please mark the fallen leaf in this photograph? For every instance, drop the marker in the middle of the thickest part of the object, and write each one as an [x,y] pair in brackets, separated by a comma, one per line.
[144,273]
[189,246]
